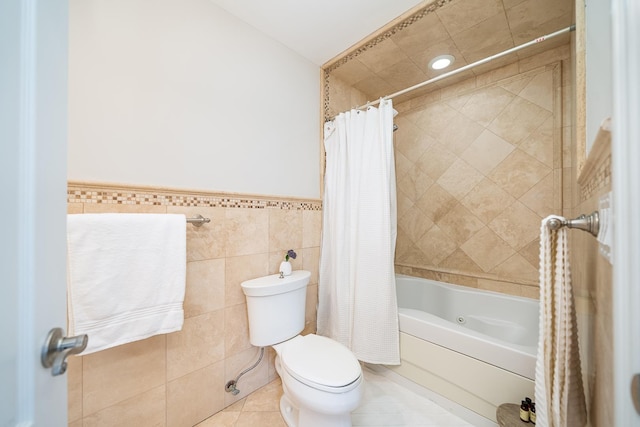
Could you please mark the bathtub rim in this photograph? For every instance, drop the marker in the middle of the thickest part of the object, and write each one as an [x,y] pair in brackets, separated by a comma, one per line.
[519,359]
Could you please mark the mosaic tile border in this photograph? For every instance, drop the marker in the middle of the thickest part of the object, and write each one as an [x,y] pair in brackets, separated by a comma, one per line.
[596,171]
[430,8]
[456,277]
[78,193]
[601,179]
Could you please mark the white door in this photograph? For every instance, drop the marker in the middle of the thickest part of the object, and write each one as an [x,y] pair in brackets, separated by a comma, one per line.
[33,122]
[626,209]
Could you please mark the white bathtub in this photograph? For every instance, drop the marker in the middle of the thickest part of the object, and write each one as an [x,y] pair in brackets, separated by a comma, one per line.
[474,347]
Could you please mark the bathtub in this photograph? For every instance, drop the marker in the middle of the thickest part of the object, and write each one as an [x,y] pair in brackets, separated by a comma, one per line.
[476,348]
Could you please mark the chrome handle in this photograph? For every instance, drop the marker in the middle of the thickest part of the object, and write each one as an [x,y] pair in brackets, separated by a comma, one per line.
[635,392]
[57,348]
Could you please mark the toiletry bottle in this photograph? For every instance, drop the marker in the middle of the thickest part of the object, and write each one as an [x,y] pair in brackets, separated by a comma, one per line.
[524,411]
[532,413]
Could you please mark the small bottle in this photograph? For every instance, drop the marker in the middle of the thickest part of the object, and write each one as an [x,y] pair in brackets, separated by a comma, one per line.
[524,411]
[532,413]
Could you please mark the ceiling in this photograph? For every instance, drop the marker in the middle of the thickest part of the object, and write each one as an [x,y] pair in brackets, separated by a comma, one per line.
[470,30]
[317,30]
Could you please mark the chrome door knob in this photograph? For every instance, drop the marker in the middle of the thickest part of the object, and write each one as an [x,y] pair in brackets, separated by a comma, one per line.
[57,347]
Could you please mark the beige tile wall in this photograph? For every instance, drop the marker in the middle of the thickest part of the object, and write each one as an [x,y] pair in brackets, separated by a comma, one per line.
[592,277]
[397,56]
[343,96]
[479,164]
[586,179]
[178,379]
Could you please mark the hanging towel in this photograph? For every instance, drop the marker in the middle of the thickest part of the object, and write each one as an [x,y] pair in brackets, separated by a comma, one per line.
[559,392]
[126,276]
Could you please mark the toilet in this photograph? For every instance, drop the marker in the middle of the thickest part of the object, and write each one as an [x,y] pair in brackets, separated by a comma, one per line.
[321,378]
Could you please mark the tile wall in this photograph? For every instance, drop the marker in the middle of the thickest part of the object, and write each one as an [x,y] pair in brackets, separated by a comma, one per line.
[592,278]
[343,96]
[589,177]
[178,379]
[479,164]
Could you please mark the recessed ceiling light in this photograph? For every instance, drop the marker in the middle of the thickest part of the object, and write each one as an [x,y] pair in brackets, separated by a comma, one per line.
[441,61]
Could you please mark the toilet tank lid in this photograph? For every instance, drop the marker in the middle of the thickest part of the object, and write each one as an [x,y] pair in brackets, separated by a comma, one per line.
[273,285]
[320,360]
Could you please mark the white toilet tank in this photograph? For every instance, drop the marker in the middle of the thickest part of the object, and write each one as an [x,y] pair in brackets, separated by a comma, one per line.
[276,307]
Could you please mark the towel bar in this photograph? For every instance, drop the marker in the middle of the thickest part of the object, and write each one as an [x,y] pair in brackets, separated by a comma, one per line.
[590,223]
[198,220]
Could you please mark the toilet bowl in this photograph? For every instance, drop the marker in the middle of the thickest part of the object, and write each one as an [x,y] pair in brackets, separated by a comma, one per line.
[321,378]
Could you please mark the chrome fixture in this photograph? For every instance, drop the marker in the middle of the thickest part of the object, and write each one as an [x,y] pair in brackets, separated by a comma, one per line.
[590,223]
[230,387]
[57,347]
[198,220]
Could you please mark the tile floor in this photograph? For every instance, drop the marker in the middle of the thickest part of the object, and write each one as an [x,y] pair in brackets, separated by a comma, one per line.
[385,403]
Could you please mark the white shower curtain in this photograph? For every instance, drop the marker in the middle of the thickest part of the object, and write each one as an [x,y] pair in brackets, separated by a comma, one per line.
[357,291]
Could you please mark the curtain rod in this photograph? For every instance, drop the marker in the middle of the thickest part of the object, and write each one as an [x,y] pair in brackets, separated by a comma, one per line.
[467,67]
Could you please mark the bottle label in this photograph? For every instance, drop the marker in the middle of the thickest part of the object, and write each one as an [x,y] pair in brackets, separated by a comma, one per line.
[524,415]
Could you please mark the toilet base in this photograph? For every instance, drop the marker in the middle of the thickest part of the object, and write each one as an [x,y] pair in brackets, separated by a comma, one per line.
[288,411]
[293,418]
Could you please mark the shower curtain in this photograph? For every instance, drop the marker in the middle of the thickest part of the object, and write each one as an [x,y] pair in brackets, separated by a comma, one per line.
[357,292]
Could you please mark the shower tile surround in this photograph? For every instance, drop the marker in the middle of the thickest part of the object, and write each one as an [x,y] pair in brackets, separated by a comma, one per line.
[579,186]
[477,170]
[178,379]
[480,157]
[479,164]
[397,56]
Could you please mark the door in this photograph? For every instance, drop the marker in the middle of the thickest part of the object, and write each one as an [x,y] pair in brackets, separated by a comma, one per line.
[33,121]
[625,159]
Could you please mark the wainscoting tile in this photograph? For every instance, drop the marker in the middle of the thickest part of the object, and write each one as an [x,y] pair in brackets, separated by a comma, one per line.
[252,380]
[200,343]
[74,387]
[145,409]
[119,373]
[247,231]
[311,228]
[236,331]
[241,268]
[207,241]
[196,396]
[205,289]
[285,229]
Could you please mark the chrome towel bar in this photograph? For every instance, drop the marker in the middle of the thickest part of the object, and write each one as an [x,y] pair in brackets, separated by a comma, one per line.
[590,223]
[198,220]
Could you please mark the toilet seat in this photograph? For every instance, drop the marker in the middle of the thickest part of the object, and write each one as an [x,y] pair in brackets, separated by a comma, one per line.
[321,363]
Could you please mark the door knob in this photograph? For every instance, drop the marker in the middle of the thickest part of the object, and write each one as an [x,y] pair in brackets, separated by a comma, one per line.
[57,347]
[635,392]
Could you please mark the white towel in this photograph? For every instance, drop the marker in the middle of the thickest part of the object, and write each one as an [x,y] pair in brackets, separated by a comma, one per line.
[126,276]
[559,392]
[605,231]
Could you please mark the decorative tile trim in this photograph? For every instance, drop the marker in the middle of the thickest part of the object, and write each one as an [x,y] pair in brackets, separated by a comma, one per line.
[456,277]
[596,171]
[600,179]
[124,195]
[393,30]
[372,43]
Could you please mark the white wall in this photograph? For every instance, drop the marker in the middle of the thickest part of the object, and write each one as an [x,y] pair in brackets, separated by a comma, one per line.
[179,93]
[599,69]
